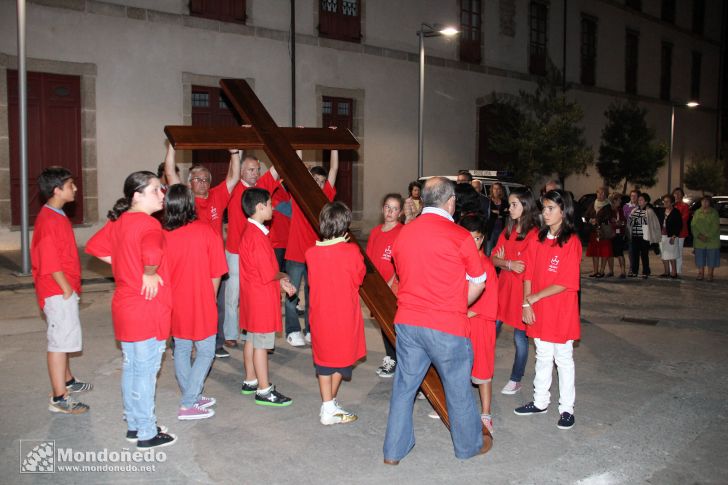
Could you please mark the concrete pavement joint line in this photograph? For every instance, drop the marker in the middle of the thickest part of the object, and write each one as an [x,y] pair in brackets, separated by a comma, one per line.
[27,286]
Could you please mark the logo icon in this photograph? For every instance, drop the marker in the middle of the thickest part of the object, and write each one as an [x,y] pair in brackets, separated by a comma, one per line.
[555,261]
[37,456]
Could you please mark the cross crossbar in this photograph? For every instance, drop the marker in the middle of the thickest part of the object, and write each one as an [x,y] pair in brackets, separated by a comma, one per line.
[245,138]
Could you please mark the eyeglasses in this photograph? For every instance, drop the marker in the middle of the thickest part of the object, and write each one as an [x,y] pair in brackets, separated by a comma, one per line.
[201,180]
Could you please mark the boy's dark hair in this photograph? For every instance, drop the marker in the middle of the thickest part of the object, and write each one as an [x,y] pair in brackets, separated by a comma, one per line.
[135,182]
[530,216]
[467,174]
[334,220]
[52,178]
[467,201]
[393,196]
[179,207]
[318,170]
[566,204]
[473,222]
[252,197]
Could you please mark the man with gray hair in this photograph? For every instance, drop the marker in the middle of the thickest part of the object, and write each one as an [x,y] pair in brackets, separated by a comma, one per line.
[440,275]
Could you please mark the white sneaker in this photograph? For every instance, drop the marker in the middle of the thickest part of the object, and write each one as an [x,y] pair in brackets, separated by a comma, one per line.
[387,368]
[307,338]
[296,339]
[511,388]
[337,416]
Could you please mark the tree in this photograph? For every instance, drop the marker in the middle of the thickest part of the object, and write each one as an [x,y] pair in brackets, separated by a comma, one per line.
[628,151]
[544,133]
[705,175]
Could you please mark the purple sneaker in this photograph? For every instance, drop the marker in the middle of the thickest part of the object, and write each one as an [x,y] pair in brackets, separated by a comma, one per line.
[205,402]
[194,412]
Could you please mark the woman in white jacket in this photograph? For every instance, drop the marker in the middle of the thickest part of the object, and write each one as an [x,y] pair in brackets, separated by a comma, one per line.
[643,229]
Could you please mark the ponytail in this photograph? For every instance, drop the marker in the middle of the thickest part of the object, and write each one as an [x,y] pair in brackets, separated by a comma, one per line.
[122,205]
[135,182]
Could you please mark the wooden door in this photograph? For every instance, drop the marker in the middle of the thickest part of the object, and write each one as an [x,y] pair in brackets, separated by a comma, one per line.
[54,137]
[339,112]
[209,108]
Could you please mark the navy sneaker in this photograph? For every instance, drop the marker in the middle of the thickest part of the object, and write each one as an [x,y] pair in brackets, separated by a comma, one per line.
[248,389]
[162,439]
[221,353]
[566,421]
[528,410]
[131,436]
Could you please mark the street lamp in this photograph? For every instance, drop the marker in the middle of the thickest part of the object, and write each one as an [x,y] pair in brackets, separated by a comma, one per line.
[426,30]
[689,104]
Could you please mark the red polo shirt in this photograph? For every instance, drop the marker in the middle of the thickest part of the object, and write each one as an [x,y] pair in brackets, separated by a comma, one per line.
[433,256]
[237,220]
[302,236]
[210,209]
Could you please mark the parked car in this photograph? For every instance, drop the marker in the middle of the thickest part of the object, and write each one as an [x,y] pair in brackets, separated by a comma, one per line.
[720,202]
[487,178]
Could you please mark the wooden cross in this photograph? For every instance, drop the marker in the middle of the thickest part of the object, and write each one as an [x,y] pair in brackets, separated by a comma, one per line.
[280,145]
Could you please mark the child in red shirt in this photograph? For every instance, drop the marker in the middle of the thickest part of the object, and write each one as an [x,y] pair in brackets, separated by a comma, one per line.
[196,262]
[550,305]
[336,271]
[57,276]
[133,243]
[260,311]
[379,249]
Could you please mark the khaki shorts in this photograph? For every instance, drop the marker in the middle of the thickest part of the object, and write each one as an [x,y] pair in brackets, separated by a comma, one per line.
[261,340]
[64,325]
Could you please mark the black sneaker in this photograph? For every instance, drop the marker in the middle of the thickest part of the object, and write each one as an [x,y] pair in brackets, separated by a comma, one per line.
[78,386]
[248,389]
[272,398]
[131,436]
[162,439]
[528,410]
[566,421]
[221,353]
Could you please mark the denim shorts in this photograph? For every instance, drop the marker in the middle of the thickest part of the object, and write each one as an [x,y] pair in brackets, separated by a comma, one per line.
[327,371]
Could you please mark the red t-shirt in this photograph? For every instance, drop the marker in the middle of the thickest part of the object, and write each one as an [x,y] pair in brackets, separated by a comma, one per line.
[301,235]
[557,316]
[260,292]
[335,273]
[481,327]
[194,256]
[52,249]
[684,210]
[510,284]
[379,249]
[237,220]
[280,224]
[433,290]
[133,241]
[486,306]
[210,209]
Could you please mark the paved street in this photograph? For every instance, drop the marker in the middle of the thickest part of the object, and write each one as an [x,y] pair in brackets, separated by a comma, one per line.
[651,380]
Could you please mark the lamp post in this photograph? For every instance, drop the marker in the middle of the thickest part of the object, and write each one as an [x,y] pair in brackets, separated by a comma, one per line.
[426,30]
[689,104]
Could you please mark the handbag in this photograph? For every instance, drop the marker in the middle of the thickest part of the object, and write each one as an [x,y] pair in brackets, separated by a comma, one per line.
[606,231]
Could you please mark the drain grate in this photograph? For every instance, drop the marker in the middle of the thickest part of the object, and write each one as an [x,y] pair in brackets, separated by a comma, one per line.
[641,321]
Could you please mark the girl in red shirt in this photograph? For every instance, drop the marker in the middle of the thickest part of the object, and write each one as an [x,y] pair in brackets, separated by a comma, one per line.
[133,243]
[336,271]
[379,250]
[510,254]
[195,262]
[550,305]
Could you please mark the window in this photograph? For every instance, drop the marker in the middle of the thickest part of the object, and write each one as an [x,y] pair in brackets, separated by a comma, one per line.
[695,76]
[225,10]
[588,50]
[209,109]
[635,4]
[470,31]
[340,19]
[665,71]
[339,112]
[668,11]
[698,16]
[538,38]
[631,59]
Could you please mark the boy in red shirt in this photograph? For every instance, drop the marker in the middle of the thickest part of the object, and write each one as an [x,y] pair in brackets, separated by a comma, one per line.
[260,316]
[57,276]
[550,305]
[336,271]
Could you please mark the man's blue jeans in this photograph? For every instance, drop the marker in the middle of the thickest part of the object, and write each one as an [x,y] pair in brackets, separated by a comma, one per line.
[140,364]
[296,272]
[191,376]
[452,356]
[519,360]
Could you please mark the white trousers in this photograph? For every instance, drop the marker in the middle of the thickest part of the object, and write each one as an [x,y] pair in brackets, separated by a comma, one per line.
[678,260]
[563,355]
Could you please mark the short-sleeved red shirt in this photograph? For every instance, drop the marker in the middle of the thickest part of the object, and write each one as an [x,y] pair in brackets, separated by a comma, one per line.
[510,284]
[260,291]
[433,289]
[684,210]
[301,235]
[194,256]
[237,220]
[133,241]
[335,273]
[486,306]
[52,249]
[379,249]
[557,316]
[210,209]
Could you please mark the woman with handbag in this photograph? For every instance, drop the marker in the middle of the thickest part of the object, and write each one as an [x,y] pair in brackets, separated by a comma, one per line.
[643,229]
[601,232]
[619,223]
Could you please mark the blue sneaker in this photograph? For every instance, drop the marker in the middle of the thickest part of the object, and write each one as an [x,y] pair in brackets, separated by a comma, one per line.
[529,409]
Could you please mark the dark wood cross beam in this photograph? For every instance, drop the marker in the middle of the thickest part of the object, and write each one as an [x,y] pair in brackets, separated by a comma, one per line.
[280,144]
